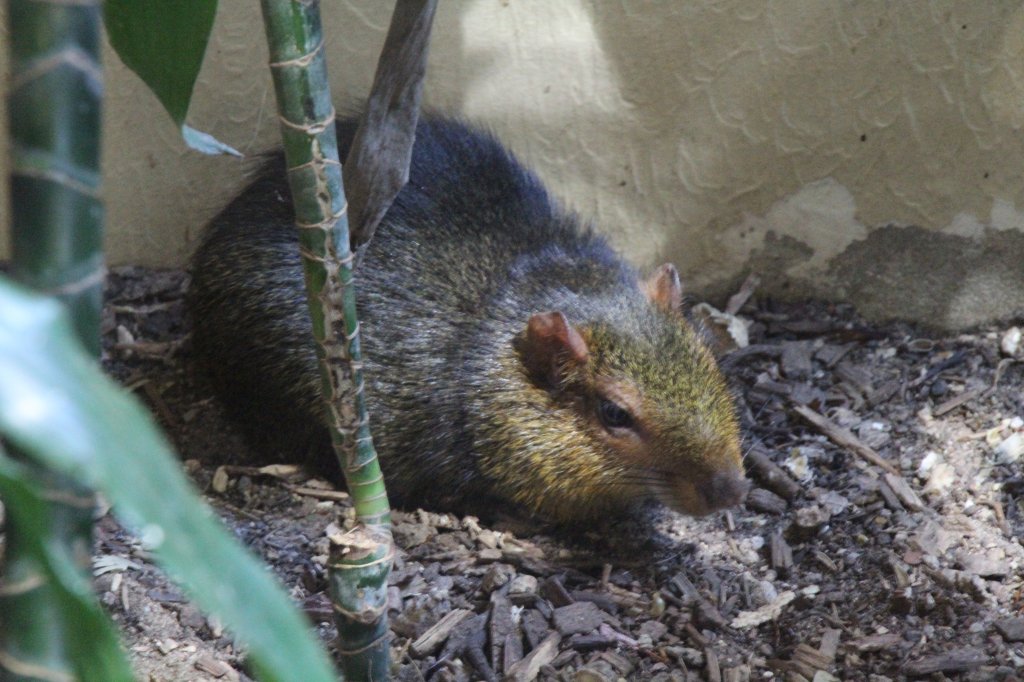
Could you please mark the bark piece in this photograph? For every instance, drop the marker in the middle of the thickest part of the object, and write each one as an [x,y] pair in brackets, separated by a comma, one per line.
[529,667]
[430,640]
[844,438]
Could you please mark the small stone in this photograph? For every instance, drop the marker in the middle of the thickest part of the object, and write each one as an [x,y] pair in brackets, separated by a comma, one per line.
[220,480]
[496,576]
[582,616]
[166,646]
[991,565]
[808,521]
[190,617]
[408,535]
[690,657]
[488,538]
[487,556]
[1011,449]
[1010,344]
[521,586]
[795,362]
[930,459]
[942,477]
[654,629]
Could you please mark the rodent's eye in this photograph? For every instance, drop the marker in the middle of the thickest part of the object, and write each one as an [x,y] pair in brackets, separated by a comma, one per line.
[614,416]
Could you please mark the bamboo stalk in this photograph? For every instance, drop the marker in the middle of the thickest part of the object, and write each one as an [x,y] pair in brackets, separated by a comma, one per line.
[54,103]
[361,559]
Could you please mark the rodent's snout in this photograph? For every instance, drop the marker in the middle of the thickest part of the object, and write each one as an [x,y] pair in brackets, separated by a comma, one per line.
[725,489]
[704,495]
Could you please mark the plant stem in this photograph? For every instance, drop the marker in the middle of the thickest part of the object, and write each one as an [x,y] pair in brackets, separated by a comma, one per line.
[54,106]
[361,560]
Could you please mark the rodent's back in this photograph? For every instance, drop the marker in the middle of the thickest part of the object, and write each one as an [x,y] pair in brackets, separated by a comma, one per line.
[471,249]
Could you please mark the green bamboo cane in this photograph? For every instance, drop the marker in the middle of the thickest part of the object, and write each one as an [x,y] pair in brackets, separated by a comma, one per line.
[361,560]
[56,230]
[54,106]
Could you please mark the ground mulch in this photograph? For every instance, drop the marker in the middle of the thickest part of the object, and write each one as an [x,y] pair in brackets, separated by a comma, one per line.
[882,540]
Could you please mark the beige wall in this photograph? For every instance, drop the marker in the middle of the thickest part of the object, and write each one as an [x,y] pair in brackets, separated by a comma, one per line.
[782,137]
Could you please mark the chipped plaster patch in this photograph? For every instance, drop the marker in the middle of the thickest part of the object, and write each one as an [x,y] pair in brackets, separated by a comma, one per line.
[965,225]
[822,215]
[1005,216]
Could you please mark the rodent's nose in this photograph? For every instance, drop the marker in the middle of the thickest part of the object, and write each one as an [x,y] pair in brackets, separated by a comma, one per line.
[726,489]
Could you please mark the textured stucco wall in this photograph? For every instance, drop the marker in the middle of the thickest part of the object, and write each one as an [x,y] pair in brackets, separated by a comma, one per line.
[799,139]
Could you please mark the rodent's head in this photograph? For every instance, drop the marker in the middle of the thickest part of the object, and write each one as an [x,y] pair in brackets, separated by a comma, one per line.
[644,408]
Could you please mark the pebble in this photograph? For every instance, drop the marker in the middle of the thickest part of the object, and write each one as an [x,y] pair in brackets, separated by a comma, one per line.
[1010,344]
[653,629]
[496,576]
[942,477]
[522,585]
[1011,449]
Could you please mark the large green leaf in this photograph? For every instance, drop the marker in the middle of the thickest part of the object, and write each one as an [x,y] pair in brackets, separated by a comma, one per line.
[54,622]
[59,409]
[164,43]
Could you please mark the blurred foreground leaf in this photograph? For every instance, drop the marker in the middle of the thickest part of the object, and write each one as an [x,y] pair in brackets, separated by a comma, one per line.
[59,409]
[61,616]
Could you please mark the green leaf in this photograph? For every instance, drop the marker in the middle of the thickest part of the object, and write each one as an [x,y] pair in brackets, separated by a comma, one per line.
[59,608]
[206,143]
[164,43]
[59,409]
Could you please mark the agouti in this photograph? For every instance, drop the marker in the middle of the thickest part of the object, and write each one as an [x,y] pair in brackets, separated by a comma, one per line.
[511,355]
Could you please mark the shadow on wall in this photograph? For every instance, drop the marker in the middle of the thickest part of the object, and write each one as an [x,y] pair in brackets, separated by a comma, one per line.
[942,280]
[762,101]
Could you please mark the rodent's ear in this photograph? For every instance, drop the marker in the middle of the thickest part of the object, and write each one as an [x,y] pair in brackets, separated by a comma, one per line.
[551,342]
[664,290]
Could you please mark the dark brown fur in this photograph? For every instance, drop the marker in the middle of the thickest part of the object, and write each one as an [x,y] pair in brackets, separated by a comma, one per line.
[475,280]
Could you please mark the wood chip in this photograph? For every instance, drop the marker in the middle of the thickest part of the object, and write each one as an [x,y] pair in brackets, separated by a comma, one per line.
[1012,629]
[166,414]
[875,642]
[529,667]
[782,555]
[771,475]
[771,611]
[961,660]
[807,660]
[553,590]
[843,438]
[500,627]
[904,492]
[857,376]
[956,401]
[535,627]
[830,643]
[583,616]
[831,354]
[211,666]
[737,357]
[746,290]
[761,500]
[430,640]
[712,669]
